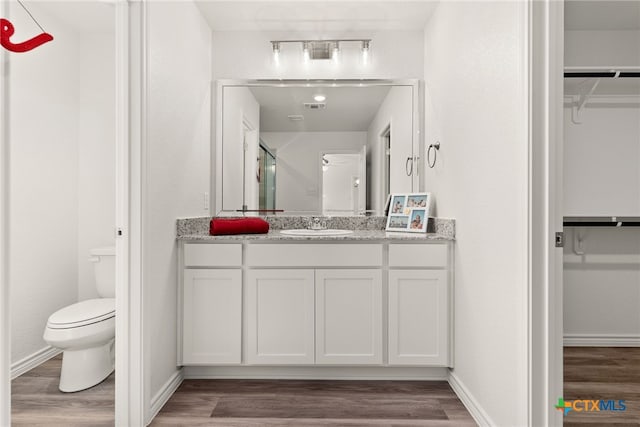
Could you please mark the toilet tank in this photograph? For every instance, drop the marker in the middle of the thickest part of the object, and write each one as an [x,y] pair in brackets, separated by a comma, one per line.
[104,267]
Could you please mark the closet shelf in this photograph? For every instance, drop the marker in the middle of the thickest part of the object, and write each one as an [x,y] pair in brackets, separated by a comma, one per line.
[601,221]
[602,72]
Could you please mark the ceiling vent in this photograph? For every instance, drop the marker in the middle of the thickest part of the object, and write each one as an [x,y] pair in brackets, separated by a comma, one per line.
[315,105]
[296,117]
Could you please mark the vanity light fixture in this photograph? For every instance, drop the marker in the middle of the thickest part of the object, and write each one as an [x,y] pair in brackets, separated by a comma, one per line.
[305,50]
[321,49]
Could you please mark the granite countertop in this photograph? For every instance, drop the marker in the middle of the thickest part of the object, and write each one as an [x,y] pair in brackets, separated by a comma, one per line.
[357,235]
[364,229]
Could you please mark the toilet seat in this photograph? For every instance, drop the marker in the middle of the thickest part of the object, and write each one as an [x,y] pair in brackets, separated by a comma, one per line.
[83,313]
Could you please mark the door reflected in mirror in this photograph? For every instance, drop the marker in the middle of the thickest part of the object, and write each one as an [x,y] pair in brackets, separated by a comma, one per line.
[315,147]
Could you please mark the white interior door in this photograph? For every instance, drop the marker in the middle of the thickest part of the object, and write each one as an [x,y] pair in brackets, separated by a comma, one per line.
[5,319]
[251,183]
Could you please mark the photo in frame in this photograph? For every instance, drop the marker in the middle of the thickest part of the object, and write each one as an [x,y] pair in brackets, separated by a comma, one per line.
[409,212]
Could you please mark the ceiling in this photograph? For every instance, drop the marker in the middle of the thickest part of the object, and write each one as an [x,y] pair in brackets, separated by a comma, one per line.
[317,16]
[90,16]
[348,109]
[602,15]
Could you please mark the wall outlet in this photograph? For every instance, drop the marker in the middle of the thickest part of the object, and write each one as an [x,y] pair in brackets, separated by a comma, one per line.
[205,199]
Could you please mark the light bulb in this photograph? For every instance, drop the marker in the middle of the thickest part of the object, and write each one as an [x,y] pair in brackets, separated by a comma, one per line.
[319,97]
[365,51]
[305,50]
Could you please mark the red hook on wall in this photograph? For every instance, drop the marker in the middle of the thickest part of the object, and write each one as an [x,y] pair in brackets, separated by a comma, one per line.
[7,30]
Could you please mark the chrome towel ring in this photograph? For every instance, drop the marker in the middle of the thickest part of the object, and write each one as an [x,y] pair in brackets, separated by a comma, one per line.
[436,147]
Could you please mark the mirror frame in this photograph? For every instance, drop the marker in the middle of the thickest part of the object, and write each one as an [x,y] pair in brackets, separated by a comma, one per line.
[217,142]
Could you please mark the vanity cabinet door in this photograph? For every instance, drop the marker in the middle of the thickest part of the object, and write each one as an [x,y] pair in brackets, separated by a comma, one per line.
[212,317]
[280,317]
[418,317]
[349,317]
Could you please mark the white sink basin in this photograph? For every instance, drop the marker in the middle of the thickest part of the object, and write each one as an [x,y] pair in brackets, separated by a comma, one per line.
[307,232]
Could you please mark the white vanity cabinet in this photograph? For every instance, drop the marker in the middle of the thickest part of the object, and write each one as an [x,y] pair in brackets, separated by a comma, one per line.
[419,305]
[212,305]
[418,317]
[311,303]
[280,317]
[349,317]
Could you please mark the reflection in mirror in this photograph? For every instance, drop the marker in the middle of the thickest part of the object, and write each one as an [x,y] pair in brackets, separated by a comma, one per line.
[331,146]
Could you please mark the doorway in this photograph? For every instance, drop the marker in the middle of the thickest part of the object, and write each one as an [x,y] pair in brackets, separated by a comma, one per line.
[576,345]
[118,133]
[601,212]
[343,182]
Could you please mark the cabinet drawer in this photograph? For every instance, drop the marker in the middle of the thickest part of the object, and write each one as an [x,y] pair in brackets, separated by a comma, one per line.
[212,255]
[316,255]
[416,255]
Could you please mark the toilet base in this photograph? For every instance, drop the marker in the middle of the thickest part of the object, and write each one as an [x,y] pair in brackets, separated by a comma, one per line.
[82,369]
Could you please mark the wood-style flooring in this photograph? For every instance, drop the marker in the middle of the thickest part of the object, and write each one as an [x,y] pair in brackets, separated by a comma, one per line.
[36,400]
[589,373]
[609,373]
[265,403]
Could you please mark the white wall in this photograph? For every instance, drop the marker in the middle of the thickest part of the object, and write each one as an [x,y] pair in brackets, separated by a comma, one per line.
[44,192]
[298,168]
[239,105]
[602,287]
[248,55]
[476,106]
[397,111]
[96,153]
[177,167]
[602,160]
[602,48]
[602,178]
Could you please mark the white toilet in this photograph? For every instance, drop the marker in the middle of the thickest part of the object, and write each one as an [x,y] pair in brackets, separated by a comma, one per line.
[86,331]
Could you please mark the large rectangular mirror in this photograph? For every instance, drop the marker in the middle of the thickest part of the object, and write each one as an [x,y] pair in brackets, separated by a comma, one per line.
[321,147]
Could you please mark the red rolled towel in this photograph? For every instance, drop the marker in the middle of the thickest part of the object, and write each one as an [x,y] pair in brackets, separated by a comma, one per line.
[221,226]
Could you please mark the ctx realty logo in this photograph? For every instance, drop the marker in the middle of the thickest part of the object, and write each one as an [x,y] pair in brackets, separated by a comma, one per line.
[584,405]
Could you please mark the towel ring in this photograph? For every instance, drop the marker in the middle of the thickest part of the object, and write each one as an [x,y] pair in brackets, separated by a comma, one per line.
[436,147]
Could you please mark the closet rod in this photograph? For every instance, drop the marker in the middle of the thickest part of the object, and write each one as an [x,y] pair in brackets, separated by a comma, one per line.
[607,221]
[600,224]
[601,74]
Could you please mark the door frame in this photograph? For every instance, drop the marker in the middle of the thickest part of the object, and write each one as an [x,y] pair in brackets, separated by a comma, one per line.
[130,42]
[131,402]
[545,68]
[5,313]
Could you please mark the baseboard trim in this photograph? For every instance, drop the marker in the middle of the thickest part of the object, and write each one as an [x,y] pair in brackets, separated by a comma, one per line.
[33,360]
[315,373]
[165,393]
[470,402]
[583,340]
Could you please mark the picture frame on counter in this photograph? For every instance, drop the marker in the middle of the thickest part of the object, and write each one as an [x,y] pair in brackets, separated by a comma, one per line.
[409,212]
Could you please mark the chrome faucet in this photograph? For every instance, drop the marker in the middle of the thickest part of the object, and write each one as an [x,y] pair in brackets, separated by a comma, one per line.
[317,223]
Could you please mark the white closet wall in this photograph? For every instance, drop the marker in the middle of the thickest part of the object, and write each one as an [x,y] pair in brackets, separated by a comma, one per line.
[602,178]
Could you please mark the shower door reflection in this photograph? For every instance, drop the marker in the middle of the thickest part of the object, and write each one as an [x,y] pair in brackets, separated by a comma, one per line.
[267,178]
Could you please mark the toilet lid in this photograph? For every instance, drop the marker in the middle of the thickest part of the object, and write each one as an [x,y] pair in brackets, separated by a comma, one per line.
[83,313]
